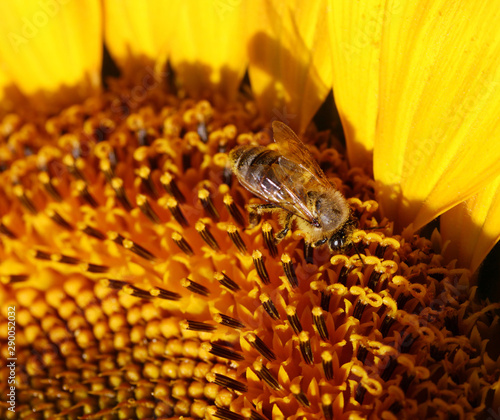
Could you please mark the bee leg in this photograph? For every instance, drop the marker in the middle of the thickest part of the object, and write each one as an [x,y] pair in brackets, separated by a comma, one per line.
[282,233]
[255,210]
[319,243]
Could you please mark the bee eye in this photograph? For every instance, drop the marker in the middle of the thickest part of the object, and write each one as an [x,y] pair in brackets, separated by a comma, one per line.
[336,243]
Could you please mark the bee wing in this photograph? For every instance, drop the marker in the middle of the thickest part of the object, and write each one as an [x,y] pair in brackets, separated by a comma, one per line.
[296,150]
[276,186]
[292,196]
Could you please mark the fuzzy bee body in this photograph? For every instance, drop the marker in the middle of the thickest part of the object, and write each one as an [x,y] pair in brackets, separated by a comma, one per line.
[295,187]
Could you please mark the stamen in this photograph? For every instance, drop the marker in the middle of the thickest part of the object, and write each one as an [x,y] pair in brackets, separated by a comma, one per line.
[226,382]
[105,165]
[81,188]
[359,308]
[260,346]
[325,300]
[389,368]
[64,259]
[94,268]
[205,234]
[360,393]
[4,230]
[269,307]
[233,210]
[269,242]
[164,294]
[293,319]
[221,351]
[406,381]
[299,395]
[14,278]
[146,209]
[147,183]
[253,415]
[208,204]
[40,255]
[113,284]
[72,167]
[44,178]
[362,353]
[308,253]
[326,361]
[135,291]
[225,281]
[260,267]
[121,194]
[305,347]
[176,212]
[182,244]
[286,261]
[225,414]
[236,238]
[386,325]
[228,321]
[115,237]
[24,199]
[89,230]
[374,278]
[402,300]
[194,287]
[265,374]
[319,322]
[327,406]
[344,272]
[171,187]
[197,326]
[137,249]
[57,218]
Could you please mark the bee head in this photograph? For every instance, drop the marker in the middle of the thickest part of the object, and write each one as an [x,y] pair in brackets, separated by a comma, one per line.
[342,237]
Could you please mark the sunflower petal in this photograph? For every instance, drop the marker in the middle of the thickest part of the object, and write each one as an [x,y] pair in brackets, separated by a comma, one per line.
[289,67]
[437,122]
[138,33]
[355,31]
[473,226]
[207,52]
[51,52]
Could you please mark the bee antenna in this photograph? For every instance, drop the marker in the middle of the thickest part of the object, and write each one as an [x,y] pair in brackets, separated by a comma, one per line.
[359,255]
[374,227]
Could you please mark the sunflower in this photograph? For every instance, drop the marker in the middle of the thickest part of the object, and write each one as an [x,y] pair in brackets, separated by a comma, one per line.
[132,284]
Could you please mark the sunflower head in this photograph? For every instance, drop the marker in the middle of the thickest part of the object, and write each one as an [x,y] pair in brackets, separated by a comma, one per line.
[133,283]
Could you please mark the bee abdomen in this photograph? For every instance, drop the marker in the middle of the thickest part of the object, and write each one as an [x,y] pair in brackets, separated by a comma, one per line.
[252,160]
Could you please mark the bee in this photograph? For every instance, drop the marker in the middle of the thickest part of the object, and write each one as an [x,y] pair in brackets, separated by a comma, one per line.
[294,186]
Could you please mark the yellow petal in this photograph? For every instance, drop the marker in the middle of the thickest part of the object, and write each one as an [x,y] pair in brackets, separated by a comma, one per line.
[51,51]
[437,133]
[138,33]
[289,70]
[207,50]
[473,226]
[355,31]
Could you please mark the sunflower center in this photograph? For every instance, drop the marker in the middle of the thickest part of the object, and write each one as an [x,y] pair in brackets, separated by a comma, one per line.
[140,290]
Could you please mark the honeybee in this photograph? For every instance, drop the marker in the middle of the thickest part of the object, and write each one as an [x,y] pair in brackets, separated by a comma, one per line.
[295,187]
